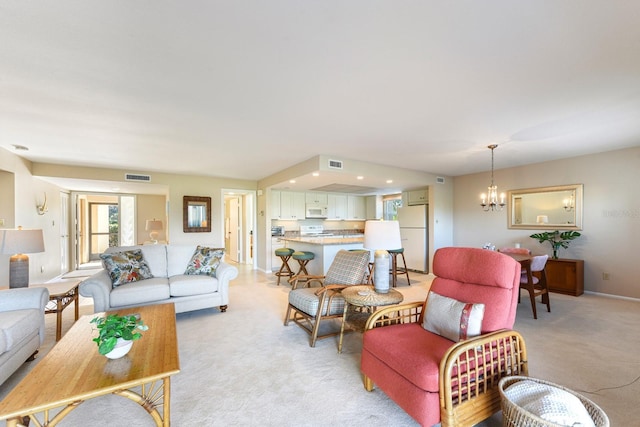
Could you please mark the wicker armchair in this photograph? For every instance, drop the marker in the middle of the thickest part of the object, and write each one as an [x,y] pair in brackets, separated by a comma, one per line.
[314,300]
[432,377]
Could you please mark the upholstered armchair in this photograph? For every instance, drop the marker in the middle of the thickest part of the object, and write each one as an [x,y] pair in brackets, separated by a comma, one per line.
[315,300]
[441,359]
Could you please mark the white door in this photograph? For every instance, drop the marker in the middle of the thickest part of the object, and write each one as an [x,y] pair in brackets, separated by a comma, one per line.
[233,230]
[63,225]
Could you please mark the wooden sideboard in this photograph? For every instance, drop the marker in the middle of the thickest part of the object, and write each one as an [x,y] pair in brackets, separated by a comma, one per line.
[565,276]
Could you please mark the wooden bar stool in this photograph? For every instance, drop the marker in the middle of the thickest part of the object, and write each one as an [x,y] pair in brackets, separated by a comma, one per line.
[395,268]
[285,270]
[303,258]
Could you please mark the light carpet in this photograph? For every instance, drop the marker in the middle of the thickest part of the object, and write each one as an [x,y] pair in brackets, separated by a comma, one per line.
[243,367]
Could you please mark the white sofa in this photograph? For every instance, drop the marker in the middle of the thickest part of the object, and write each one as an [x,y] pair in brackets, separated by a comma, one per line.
[21,326]
[169,284]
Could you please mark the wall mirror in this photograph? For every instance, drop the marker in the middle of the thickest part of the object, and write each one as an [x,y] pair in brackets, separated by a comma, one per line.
[558,208]
[196,214]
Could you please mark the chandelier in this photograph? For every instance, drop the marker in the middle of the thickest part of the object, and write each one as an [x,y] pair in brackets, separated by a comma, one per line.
[490,201]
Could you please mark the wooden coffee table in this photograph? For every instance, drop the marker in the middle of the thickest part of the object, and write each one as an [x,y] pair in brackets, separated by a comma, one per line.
[73,371]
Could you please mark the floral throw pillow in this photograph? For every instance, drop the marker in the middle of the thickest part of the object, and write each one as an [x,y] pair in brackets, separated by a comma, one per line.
[126,267]
[205,261]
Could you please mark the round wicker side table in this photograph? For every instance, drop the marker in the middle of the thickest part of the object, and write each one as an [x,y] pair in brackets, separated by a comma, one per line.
[515,416]
[366,297]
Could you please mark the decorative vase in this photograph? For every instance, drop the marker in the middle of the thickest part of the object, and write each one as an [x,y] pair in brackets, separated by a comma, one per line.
[381,272]
[122,347]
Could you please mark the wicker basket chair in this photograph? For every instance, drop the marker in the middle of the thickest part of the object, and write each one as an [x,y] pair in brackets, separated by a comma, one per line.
[515,416]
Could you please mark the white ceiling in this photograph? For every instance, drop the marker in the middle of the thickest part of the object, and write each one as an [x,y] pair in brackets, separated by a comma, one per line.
[246,88]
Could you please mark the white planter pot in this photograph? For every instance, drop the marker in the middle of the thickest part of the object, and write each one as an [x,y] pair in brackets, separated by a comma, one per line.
[122,347]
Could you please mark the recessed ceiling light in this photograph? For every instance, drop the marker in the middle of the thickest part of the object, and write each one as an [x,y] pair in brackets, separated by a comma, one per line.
[360,177]
[292,181]
[389,181]
[20,147]
[316,174]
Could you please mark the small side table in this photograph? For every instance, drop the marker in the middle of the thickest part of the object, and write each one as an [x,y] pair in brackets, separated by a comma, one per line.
[364,296]
[61,294]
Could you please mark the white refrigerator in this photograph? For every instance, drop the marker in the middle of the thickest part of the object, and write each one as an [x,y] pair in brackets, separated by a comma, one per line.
[414,234]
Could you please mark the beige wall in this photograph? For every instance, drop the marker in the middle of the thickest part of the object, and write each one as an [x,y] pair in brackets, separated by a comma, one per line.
[19,209]
[611,214]
[150,207]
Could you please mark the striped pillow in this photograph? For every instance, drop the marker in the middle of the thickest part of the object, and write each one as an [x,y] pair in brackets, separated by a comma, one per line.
[451,318]
[348,268]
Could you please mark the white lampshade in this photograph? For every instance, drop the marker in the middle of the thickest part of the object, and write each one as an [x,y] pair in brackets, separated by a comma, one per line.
[382,235]
[21,241]
[153,225]
[542,219]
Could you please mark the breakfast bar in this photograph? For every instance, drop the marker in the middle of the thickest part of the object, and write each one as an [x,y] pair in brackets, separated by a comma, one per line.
[324,249]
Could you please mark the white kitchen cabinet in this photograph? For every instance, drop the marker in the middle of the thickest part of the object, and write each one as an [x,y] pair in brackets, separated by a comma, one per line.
[418,197]
[275,204]
[316,198]
[336,206]
[374,207]
[292,205]
[356,208]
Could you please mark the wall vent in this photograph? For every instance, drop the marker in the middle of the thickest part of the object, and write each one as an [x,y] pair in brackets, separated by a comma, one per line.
[335,164]
[137,177]
[439,179]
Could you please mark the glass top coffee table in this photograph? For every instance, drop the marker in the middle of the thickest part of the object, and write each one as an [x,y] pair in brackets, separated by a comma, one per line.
[73,372]
[366,297]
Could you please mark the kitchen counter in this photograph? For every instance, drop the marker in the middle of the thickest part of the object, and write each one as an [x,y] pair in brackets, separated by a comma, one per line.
[326,240]
[323,248]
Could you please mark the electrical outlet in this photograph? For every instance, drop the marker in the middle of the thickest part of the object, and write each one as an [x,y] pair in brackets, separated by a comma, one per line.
[605,276]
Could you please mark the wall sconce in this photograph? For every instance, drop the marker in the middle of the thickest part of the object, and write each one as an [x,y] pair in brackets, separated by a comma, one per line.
[17,243]
[43,209]
[569,204]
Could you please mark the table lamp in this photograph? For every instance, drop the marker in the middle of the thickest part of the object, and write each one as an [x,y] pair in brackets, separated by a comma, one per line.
[153,225]
[17,243]
[542,219]
[380,236]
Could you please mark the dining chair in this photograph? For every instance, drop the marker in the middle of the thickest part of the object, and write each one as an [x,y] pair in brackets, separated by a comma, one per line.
[534,280]
[511,250]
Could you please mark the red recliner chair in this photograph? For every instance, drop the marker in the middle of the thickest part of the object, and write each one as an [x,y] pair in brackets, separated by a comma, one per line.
[441,359]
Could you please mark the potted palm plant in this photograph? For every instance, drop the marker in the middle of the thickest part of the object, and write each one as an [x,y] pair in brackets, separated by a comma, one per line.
[116,333]
[557,239]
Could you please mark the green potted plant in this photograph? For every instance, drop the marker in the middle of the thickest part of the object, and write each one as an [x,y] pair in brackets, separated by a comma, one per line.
[557,239]
[115,329]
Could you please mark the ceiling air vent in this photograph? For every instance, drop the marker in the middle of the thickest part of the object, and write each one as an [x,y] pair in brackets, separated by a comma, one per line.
[137,177]
[439,179]
[335,164]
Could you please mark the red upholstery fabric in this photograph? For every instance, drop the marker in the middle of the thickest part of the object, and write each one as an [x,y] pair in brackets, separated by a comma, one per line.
[420,351]
[403,360]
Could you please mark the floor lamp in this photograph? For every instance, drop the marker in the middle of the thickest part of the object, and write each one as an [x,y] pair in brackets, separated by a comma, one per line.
[381,236]
[17,243]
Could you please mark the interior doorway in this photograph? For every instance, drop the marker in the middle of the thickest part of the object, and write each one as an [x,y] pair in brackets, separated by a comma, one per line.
[239,225]
[102,221]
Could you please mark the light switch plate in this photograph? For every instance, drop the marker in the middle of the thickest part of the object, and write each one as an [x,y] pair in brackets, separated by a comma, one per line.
[1,222]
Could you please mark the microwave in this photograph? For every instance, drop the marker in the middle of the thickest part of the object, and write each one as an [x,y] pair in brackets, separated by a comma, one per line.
[315,211]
